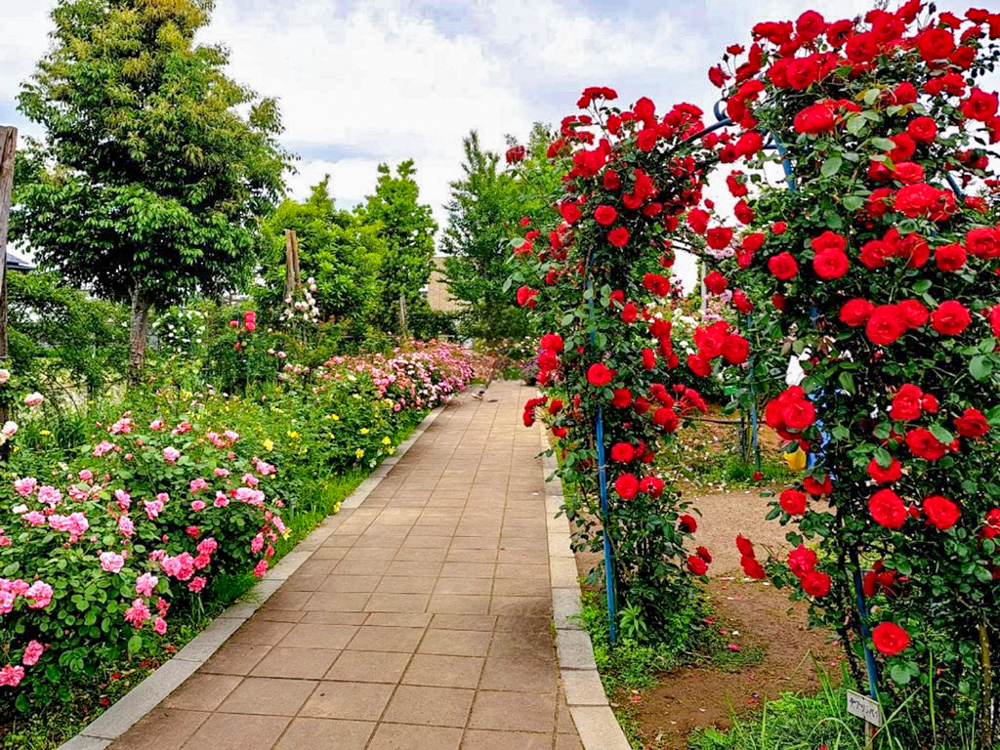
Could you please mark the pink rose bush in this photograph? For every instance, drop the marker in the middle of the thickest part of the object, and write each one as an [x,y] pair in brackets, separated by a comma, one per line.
[111,541]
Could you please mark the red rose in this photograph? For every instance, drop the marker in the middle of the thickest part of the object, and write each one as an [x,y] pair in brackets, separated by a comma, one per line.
[887,509]
[983,242]
[818,489]
[801,560]
[687,524]
[950,257]
[696,565]
[645,139]
[991,530]
[598,374]
[829,241]
[715,282]
[885,325]
[914,200]
[570,212]
[752,568]
[742,303]
[782,266]
[699,364]
[793,502]
[526,296]
[652,486]
[552,341]
[950,318]
[905,93]
[735,349]
[935,44]
[914,313]
[697,219]
[744,545]
[744,214]
[666,418]
[737,185]
[890,639]
[941,512]
[922,129]
[718,238]
[816,584]
[611,180]
[627,486]
[648,358]
[810,25]
[972,424]
[830,264]
[884,475]
[618,237]
[605,215]
[923,444]
[906,403]
[704,554]
[904,149]
[816,118]
[980,105]
[629,312]
[855,312]
[779,227]
[622,452]
[621,398]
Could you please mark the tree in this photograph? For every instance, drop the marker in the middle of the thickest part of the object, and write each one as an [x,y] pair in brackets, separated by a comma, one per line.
[336,249]
[483,215]
[408,228]
[149,183]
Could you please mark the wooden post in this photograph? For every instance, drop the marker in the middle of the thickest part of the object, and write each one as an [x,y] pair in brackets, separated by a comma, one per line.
[8,144]
[291,251]
[402,316]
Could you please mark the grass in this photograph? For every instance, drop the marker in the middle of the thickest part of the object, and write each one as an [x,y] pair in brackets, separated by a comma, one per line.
[796,721]
[50,727]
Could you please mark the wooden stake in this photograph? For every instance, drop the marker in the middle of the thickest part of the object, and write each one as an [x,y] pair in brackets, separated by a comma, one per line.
[290,247]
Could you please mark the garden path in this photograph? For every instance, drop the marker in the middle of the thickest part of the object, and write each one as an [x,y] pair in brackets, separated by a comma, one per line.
[422,623]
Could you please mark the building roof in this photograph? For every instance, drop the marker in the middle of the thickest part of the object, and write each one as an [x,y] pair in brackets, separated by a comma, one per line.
[15,263]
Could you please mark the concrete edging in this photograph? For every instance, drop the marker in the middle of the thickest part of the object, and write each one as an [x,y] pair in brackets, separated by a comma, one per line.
[148,694]
[588,703]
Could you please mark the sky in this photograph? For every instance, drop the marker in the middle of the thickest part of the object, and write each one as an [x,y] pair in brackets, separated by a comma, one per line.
[373,81]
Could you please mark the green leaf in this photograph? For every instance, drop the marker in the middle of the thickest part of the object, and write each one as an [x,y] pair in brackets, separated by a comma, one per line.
[900,674]
[981,367]
[831,166]
[853,202]
[883,144]
[134,644]
[846,381]
[941,434]
[921,286]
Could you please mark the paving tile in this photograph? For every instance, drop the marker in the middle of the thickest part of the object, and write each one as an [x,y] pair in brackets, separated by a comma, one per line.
[411,737]
[265,695]
[467,586]
[437,670]
[369,666]
[237,732]
[202,691]
[400,619]
[521,674]
[487,739]
[261,633]
[362,701]
[448,621]
[295,663]
[378,638]
[397,603]
[161,729]
[456,642]
[319,635]
[336,734]
[235,658]
[344,584]
[432,706]
[337,602]
[458,604]
[406,585]
[334,618]
[524,712]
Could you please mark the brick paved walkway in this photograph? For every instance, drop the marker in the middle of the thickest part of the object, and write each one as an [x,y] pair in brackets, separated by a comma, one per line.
[422,623]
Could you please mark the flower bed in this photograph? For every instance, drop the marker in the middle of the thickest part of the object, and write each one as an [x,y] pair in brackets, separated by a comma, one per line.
[103,545]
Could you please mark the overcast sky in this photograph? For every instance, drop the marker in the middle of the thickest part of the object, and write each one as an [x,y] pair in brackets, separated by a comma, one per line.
[385,80]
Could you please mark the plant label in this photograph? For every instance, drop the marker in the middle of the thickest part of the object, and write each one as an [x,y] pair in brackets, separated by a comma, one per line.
[864,708]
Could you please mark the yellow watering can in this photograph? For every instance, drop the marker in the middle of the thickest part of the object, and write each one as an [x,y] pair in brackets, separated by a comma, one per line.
[796,460]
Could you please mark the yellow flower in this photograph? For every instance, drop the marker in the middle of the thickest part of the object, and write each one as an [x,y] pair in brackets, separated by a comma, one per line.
[364,430]
[292,434]
[269,444]
[360,452]
[334,417]
[386,441]
[44,432]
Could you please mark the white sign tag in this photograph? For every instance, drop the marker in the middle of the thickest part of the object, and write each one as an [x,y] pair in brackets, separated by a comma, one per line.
[864,707]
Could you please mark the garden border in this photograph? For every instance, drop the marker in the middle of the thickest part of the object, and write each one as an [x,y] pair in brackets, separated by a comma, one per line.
[148,694]
[588,703]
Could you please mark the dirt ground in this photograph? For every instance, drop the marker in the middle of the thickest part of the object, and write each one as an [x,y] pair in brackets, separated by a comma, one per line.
[750,614]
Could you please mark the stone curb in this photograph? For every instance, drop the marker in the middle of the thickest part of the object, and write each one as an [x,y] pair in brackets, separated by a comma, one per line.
[588,703]
[145,696]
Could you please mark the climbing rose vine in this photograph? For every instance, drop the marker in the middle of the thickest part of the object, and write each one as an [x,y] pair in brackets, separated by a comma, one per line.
[875,264]
[597,276]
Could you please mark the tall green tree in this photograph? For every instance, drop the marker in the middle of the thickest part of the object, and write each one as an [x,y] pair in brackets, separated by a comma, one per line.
[484,215]
[336,249]
[149,183]
[408,228]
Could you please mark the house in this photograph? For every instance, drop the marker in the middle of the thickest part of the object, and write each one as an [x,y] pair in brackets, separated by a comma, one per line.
[438,296]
